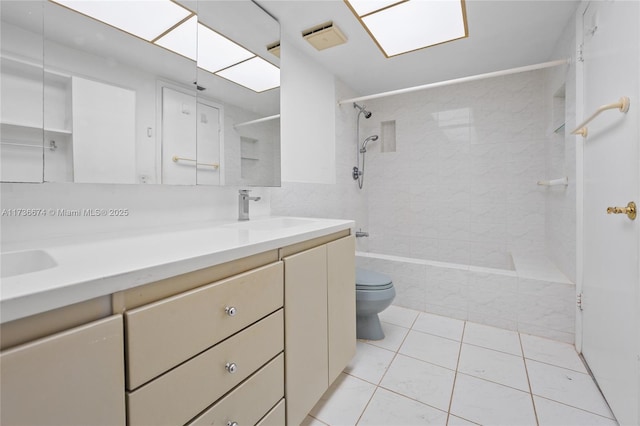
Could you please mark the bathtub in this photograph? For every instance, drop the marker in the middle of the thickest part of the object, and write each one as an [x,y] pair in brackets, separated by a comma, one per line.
[534,297]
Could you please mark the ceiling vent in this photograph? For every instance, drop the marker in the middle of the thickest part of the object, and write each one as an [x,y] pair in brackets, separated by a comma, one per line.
[324,36]
[274,49]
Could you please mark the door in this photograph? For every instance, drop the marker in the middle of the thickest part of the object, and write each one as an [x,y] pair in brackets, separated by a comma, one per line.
[611,295]
[208,144]
[178,137]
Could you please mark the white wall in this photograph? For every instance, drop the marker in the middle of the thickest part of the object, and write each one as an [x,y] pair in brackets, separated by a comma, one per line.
[308,120]
[149,206]
[342,200]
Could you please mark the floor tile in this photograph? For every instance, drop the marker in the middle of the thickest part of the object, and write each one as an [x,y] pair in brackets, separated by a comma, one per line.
[420,380]
[552,352]
[551,413]
[566,386]
[393,337]
[344,402]
[439,326]
[387,408]
[457,421]
[397,315]
[433,349]
[370,362]
[494,366]
[490,403]
[310,421]
[492,338]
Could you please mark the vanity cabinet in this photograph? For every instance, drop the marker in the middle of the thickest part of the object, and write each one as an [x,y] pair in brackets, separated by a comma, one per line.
[320,316]
[253,341]
[75,377]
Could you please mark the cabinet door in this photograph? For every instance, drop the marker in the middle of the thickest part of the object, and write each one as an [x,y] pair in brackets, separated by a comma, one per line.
[71,378]
[104,132]
[305,301]
[341,289]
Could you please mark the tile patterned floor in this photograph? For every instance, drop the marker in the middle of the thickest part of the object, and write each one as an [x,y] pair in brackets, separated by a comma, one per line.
[433,370]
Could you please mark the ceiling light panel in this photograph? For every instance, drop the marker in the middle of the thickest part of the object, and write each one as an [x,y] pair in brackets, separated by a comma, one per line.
[145,19]
[364,7]
[216,52]
[255,74]
[415,24]
[182,39]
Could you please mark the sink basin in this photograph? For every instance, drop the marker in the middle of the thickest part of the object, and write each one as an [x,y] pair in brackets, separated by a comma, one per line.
[24,262]
[274,224]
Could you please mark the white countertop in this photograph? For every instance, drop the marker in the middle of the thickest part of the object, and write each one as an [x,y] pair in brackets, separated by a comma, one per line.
[98,265]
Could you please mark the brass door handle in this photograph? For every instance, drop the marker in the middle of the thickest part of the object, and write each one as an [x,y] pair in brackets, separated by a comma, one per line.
[630,210]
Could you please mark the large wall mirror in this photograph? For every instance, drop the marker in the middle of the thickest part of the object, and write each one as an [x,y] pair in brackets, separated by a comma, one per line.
[160,91]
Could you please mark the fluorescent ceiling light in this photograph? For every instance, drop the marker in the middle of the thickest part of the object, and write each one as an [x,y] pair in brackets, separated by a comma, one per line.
[411,25]
[216,52]
[255,74]
[182,39]
[363,7]
[145,19]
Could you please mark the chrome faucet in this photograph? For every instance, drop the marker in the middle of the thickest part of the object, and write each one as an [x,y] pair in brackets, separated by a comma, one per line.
[243,204]
[360,233]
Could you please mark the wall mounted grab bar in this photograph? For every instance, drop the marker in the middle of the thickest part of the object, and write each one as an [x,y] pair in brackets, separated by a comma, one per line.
[554,182]
[52,145]
[175,159]
[622,105]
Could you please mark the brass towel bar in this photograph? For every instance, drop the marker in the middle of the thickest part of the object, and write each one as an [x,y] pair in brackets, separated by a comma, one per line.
[175,158]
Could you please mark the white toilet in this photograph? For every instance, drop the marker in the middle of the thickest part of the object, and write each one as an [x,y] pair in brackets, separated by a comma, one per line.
[374,293]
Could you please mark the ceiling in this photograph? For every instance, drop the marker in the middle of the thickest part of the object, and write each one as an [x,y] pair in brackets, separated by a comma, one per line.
[502,35]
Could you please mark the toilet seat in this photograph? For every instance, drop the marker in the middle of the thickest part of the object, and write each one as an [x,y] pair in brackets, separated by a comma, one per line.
[372,281]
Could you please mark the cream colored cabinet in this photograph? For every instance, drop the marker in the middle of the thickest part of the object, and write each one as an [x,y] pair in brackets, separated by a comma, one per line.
[249,402]
[75,377]
[179,395]
[164,334]
[305,301]
[208,352]
[319,322]
[254,341]
[341,304]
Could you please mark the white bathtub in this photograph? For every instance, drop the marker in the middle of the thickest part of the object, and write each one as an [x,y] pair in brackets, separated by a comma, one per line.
[534,298]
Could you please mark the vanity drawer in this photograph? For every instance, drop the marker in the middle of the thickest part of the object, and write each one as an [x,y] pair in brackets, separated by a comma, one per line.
[275,417]
[163,334]
[182,393]
[250,401]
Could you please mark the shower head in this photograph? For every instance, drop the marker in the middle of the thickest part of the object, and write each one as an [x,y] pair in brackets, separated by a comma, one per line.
[367,114]
[372,138]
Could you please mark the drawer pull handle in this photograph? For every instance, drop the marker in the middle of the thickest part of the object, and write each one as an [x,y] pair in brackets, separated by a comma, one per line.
[231,311]
[231,367]
[230,423]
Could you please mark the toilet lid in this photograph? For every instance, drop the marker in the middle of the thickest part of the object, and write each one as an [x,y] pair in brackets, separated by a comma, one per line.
[370,280]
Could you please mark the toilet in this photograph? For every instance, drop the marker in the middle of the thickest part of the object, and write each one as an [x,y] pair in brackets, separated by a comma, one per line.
[374,293]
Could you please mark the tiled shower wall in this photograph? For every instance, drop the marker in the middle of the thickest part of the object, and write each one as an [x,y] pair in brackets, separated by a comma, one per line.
[461,185]
[560,217]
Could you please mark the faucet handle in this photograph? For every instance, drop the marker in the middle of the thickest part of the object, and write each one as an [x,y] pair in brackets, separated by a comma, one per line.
[244,191]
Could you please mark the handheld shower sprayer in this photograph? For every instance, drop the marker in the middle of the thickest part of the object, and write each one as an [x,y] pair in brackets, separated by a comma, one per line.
[357,172]
[372,138]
